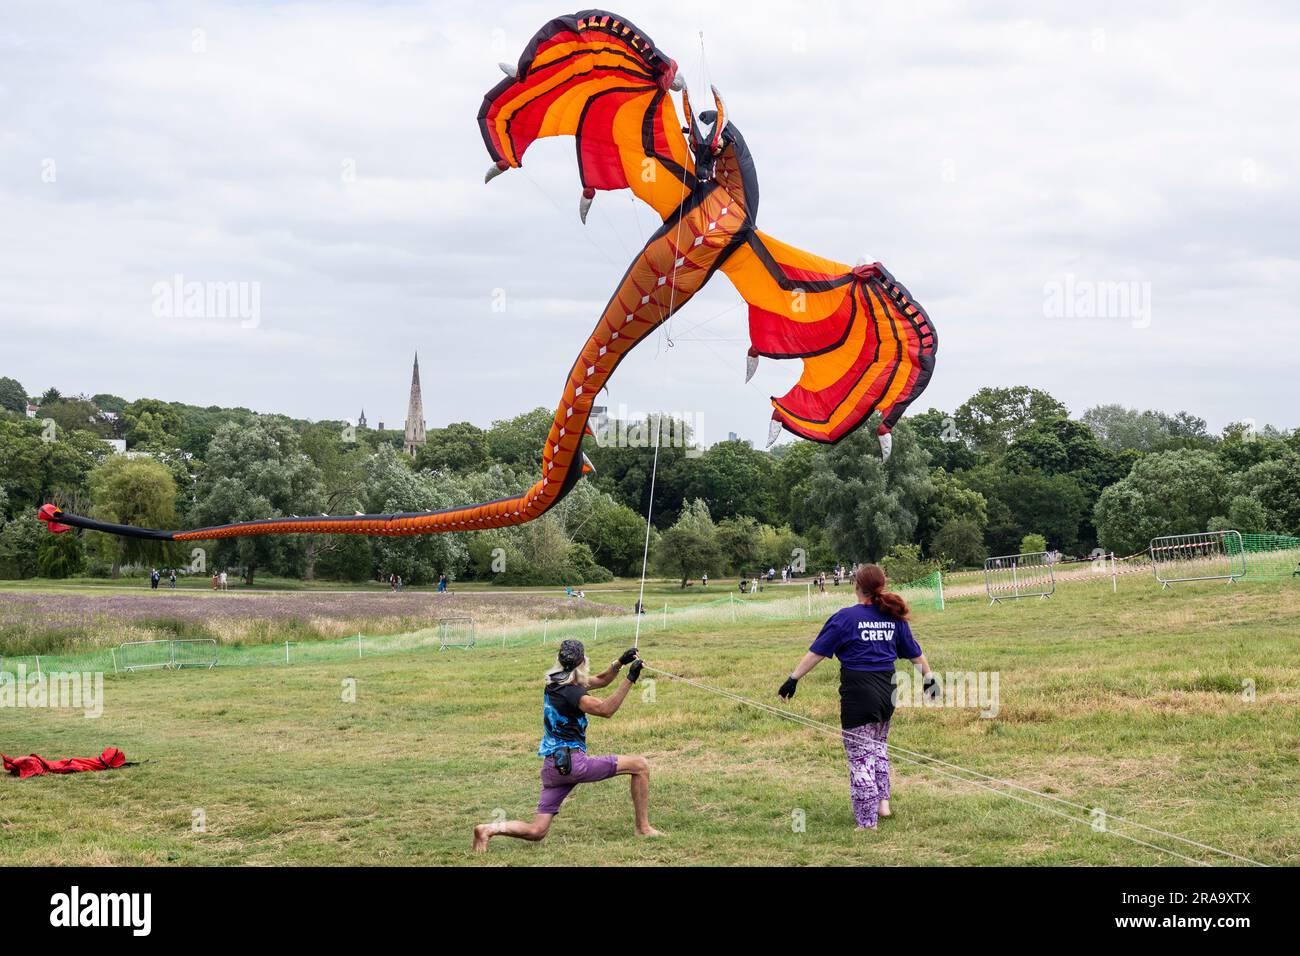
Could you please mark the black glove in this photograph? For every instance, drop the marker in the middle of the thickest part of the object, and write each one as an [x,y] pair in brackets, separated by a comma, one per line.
[628,656]
[788,688]
[930,687]
[634,671]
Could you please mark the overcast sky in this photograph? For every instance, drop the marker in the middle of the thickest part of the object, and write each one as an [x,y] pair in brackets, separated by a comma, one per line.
[1002,159]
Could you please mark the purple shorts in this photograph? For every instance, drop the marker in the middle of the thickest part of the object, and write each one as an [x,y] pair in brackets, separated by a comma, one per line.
[585,770]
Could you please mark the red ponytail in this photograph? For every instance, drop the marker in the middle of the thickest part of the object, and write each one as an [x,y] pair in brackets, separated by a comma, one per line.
[870,581]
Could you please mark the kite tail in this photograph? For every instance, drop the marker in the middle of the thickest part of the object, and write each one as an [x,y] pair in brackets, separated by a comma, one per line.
[676,261]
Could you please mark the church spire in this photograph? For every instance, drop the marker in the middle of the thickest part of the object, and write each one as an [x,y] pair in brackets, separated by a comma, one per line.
[415,437]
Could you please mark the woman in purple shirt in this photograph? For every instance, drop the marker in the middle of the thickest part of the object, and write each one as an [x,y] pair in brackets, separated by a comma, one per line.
[867,637]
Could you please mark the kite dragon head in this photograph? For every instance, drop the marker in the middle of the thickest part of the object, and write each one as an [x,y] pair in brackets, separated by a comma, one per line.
[707,141]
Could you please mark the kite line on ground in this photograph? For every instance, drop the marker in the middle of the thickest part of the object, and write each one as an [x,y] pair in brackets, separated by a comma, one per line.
[934,764]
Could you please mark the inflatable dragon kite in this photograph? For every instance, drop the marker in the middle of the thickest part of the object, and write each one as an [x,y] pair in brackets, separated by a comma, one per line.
[865,344]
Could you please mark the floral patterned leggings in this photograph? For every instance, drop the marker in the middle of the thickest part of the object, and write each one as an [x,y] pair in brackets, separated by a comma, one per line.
[868,753]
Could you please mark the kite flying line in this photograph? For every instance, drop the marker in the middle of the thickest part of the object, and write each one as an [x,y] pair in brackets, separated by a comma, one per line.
[935,764]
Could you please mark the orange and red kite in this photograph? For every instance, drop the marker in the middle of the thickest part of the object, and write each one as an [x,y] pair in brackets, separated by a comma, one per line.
[864,342]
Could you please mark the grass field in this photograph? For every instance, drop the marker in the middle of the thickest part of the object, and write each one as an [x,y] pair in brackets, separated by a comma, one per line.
[1132,702]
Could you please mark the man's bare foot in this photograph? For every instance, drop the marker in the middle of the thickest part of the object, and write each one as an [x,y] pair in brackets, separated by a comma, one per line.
[481,834]
[883,811]
[650,832]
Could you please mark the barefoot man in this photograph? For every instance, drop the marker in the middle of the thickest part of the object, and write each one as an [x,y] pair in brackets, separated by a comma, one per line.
[566,705]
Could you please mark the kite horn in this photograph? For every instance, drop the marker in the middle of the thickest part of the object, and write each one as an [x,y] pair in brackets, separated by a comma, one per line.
[720,123]
[495,170]
[510,71]
[584,204]
[751,364]
[773,430]
[587,467]
[47,514]
[886,442]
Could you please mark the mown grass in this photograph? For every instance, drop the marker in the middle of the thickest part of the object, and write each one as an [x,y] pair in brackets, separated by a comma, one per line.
[1131,702]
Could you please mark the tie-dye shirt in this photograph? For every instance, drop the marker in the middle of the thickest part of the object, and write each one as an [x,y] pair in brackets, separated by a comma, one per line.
[563,722]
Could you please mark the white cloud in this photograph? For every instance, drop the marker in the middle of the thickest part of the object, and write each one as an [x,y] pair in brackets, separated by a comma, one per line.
[980,151]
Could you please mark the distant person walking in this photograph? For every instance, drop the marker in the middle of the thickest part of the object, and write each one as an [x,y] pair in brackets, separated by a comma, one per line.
[868,637]
[171,579]
[154,578]
[225,581]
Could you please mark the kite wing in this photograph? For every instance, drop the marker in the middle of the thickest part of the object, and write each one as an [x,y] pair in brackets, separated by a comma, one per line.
[599,79]
[865,343]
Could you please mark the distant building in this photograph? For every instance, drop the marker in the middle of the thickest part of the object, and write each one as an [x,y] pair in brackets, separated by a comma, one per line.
[32,410]
[117,444]
[361,419]
[415,437]
[599,422]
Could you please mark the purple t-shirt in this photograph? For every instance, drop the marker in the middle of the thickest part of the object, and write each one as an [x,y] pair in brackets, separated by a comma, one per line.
[865,639]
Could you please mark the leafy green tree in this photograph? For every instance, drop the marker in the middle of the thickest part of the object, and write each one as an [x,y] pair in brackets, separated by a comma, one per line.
[60,556]
[904,564]
[341,463]
[150,423]
[616,536]
[740,538]
[458,447]
[518,441]
[1275,486]
[991,418]
[865,506]
[110,403]
[136,491]
[13,396]
[1032,544]
[951,500]
[690,547]
[1127,429]
[36,464]
[734,479]
[77,414]
[393,485]
[258,471]
[960,542]
[794,463]
[1247,515]
[348,558]
[781,546]
[20,543]
[938,434]
[1172,492]
[624,461]
[1021,503]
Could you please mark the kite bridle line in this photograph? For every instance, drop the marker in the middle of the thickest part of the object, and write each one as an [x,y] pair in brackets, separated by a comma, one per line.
[984,781]
[665,332]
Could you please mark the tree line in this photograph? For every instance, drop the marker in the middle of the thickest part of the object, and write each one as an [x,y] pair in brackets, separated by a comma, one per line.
[1007,469]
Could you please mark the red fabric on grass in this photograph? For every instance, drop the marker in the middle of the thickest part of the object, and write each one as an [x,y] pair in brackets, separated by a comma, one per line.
[34,766]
